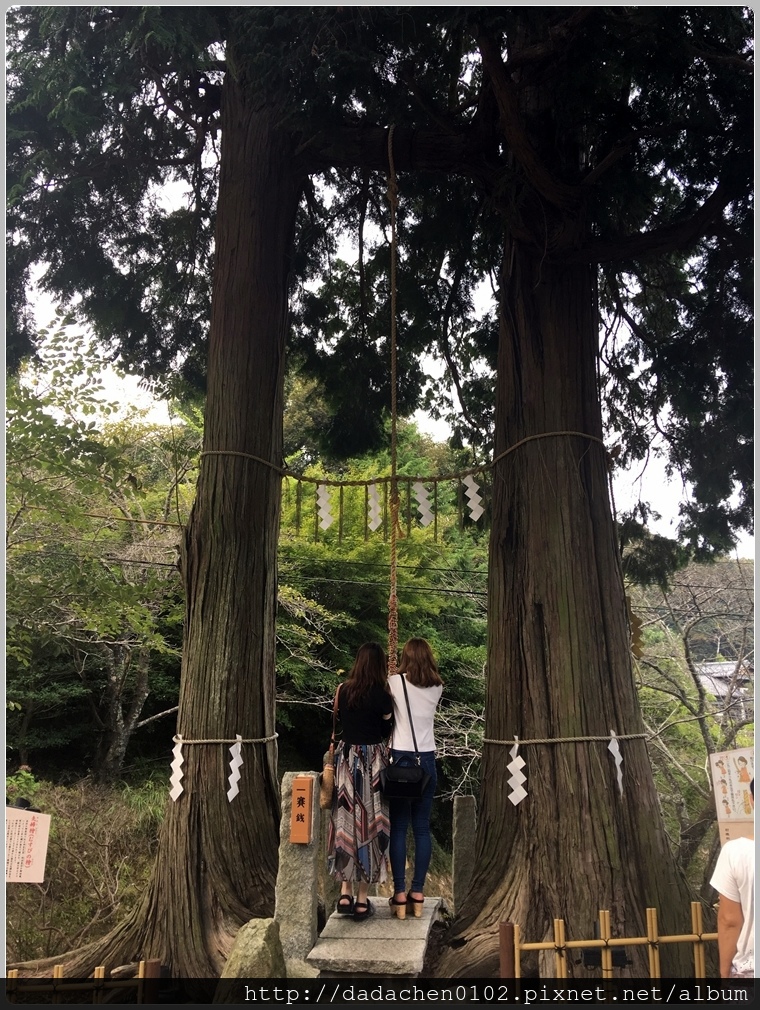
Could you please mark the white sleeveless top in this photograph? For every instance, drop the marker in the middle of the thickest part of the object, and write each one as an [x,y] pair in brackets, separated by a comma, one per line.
[734,877]
[423,702]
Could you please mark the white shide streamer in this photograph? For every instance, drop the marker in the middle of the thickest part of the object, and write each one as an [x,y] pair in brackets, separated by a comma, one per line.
[474,501]
[236,763]
[516,778]
[423,503]
[176,778]
[614,749]
[375,517]
[323,507]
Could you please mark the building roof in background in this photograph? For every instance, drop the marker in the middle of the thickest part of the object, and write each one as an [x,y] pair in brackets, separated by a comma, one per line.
[721,677]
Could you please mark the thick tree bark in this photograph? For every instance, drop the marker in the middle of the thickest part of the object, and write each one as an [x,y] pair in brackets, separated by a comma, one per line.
[558,654]
[217,861]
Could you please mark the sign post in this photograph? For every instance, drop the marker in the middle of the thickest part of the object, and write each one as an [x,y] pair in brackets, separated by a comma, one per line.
[26,841]
[732,772]
[300,810]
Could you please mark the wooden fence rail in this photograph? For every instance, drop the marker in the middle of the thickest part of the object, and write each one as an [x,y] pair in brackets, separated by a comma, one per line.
[511,946]
[145,984]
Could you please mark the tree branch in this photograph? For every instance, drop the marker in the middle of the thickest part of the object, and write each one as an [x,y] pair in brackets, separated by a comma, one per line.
[618,151]
[730,59]
[559,37]
[557,193]
[158,715]
[444,343]
[470,152]
[667,238]
[425,102]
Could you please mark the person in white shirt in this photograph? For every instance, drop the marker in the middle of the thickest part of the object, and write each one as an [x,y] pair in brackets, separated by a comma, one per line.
[419,671]
[734,880]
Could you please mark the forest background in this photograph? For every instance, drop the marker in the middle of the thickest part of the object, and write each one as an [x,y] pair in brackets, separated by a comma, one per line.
[595,165]
[97,495]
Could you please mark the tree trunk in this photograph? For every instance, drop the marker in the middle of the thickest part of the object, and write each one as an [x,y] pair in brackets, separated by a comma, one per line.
[558,653]
[120,726]
[217,861]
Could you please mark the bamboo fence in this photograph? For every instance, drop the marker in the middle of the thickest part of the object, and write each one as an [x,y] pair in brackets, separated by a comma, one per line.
[144,984]
[511,946]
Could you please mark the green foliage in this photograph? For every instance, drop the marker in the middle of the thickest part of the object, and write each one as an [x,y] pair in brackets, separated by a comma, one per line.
[648,558]
[93,593]
[22,785]
[100,852]
[647,112]
[76,69]
[341,578]
[705,615]
[90,591]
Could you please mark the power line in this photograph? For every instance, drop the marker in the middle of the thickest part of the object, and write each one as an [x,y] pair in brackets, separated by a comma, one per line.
[662,611]
[384,585]
[383,564]
[102,557]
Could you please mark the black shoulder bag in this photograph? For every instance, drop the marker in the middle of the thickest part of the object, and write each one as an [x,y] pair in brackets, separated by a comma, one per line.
[405,779]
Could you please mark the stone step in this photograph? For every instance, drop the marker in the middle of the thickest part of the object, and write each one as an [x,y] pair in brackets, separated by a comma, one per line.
[383,945]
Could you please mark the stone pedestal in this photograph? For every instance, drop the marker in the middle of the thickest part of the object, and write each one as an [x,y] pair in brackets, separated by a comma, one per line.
[256,953]
[463,845]
[295,908]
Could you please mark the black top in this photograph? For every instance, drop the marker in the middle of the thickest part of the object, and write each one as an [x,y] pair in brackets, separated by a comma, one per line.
[365,723]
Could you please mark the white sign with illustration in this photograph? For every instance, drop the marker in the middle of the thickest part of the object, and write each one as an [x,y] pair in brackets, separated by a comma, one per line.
[732,772]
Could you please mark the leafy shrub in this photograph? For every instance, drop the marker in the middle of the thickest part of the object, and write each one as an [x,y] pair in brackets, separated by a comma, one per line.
[100,854]
[22,785]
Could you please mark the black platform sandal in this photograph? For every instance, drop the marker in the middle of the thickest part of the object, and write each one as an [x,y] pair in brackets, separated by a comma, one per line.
[345,905]
[367,907]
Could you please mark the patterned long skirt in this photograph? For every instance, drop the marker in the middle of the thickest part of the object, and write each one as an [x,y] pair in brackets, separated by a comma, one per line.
[359,832]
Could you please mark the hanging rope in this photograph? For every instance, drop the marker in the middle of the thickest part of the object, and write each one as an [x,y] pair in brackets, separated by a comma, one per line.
[393,597]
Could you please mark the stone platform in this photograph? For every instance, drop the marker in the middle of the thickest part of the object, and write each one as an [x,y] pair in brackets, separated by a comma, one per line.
[381,947]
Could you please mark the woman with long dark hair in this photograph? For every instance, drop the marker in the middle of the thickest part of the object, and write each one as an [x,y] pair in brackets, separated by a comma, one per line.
[359,832]
[418,672]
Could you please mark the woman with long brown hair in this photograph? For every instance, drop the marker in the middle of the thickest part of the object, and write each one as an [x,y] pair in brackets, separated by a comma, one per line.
[418,673]
[359,832]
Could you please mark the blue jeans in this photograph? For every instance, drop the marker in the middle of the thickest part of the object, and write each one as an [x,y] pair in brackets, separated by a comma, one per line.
[418,812]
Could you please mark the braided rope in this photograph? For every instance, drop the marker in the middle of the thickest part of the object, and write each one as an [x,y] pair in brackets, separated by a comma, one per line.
[531,438]
[257,459]
[425,478]
[567,739]
[259,739]
[393,597]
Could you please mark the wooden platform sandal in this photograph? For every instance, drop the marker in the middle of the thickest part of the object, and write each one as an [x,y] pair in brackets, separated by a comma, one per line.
[416,904]
[398,908]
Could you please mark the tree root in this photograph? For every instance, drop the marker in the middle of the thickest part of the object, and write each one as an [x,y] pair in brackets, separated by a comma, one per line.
[136,939]
[115,948]
[473,956]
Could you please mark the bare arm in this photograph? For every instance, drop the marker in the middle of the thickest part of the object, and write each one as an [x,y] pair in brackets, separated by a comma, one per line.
[730,922]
